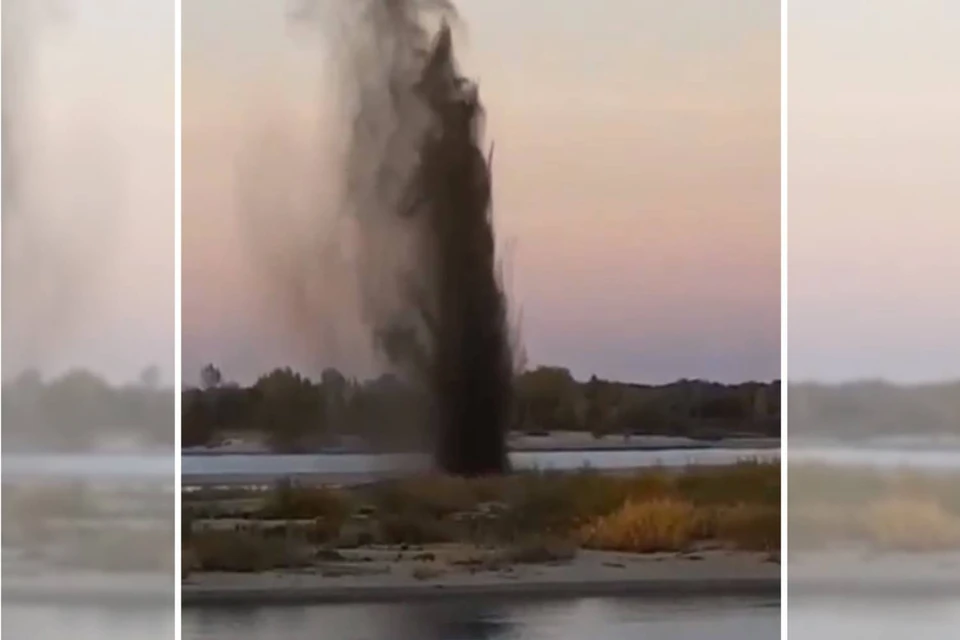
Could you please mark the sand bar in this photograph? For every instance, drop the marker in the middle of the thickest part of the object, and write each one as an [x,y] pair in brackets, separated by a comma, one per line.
[870,574]
[590,574]
[63,587]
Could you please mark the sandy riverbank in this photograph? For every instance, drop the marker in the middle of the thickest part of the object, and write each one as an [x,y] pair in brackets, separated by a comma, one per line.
[864,573]
[589,573]
[58,586]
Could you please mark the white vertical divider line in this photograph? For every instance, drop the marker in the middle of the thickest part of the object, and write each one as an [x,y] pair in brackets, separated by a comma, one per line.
[1,244]
[178,332]
[784,322]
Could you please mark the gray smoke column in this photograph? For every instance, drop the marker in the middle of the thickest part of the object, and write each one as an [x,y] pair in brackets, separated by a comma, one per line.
[419,190]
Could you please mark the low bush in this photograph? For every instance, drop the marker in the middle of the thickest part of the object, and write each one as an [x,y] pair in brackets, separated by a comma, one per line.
[234,551]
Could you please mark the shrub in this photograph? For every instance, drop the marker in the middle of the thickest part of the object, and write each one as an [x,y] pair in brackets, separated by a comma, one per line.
[747,527]
[417,529]
[905,524]
[645,527]
[745,482]
[437,496]
[244,552]
[290,502]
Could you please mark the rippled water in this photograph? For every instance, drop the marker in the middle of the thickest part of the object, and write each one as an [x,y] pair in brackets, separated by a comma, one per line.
[597,619]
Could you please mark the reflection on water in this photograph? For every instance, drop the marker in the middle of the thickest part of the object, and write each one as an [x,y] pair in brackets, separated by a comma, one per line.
[885,619]
[600,619]
[89,623]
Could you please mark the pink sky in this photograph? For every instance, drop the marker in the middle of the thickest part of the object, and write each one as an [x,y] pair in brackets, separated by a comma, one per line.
[89,280]
[873,152]
[642,201]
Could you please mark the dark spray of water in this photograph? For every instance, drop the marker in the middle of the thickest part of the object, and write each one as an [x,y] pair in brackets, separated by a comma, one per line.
[419,187]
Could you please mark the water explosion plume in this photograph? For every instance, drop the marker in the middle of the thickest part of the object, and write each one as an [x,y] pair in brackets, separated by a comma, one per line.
[419,188]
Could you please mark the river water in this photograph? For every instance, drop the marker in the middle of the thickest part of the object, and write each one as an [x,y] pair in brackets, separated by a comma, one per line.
[88,622]
[273,465]
[600,619]
[876,619]
[945,458]
[269,466]
[929,458]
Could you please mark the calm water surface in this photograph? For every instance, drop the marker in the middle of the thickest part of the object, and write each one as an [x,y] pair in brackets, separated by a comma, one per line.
[364,463]
[587,619]
[266,465]
[46,622]
[929,458]
[846,619]
[922,455]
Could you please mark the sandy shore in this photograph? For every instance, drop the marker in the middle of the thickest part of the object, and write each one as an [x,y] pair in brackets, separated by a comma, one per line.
[863,573]
[590,573]
[63,587]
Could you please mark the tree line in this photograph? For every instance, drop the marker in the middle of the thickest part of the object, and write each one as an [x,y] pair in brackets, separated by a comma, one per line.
[874,408]
[80,410]
[291,412]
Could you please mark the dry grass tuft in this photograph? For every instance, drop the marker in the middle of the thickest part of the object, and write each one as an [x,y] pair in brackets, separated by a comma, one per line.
[749,527]
[905,524]
[646,527]
[887,510]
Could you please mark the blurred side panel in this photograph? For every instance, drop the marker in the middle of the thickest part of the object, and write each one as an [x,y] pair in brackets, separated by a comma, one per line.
[88,319]
[874,351]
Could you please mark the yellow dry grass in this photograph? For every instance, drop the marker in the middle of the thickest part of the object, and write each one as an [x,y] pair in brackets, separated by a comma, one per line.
[902,523]
[646,527]
[671,525]
[753,527]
